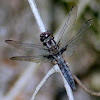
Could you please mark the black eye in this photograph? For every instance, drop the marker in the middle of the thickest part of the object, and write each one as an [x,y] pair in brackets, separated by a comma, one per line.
[44,44]
[42,39]
[47,35]
[41,35]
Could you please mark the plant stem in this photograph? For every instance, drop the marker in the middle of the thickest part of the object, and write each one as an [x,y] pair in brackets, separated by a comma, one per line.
[37,15]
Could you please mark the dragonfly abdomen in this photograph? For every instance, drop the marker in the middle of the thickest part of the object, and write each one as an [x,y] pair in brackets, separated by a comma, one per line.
[66,72]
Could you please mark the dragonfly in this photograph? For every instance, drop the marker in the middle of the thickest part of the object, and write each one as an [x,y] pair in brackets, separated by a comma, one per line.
[51,50]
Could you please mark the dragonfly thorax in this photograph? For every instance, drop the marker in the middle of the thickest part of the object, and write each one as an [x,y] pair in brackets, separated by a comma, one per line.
[48,41]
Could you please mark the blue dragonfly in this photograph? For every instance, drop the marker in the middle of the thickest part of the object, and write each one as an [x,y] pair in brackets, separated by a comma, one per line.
[51,50]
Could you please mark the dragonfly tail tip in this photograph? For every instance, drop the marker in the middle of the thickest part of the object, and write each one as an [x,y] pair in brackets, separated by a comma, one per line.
[7,41]
[12,58]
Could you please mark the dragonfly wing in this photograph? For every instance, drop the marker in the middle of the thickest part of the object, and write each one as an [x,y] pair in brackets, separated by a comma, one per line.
[30,58]
[77,39]
[32,49]
[66,31]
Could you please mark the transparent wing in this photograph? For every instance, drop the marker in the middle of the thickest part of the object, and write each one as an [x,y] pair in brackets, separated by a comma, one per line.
[36,51]
[67,29]
[77,39]
[30,58]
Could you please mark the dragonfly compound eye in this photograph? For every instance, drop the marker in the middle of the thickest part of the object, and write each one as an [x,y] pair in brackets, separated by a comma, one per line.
[44,44]
[42,35]
[42,39]
[47,35]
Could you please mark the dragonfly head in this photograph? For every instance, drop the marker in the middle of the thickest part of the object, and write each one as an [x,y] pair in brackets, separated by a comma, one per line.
[46,36]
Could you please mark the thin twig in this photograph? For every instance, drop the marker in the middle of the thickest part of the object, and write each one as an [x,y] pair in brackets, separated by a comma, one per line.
[37,15]
[86,89]
[42,83]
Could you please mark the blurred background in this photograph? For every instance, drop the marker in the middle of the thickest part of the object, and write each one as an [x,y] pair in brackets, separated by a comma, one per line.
[18,23]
